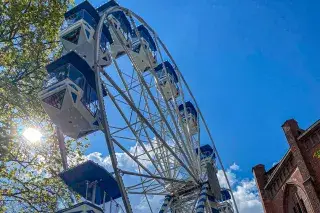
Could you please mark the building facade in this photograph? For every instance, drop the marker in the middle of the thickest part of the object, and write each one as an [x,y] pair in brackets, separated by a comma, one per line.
[293,185]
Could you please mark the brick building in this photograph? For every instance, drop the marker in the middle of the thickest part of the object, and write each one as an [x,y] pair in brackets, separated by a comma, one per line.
[293,185]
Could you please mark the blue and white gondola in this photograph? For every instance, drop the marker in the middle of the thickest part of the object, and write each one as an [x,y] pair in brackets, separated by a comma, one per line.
[225,194]
[207,157]
[225,205]
[206,153]
[69,96]
[192,117]
[143,51]
[78,34]
[122,27]
[168,80]
[95,185]
[218,197]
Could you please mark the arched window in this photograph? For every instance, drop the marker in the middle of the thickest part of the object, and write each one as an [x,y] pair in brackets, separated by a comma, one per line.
[295,200]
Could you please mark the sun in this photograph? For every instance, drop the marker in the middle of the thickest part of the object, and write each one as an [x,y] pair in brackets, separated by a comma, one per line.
[32,134]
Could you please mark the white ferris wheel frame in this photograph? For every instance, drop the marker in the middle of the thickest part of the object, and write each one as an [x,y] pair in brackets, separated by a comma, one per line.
[190,167]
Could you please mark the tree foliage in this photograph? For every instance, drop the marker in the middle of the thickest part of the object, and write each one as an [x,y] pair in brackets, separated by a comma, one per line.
[317,154]
[28,171]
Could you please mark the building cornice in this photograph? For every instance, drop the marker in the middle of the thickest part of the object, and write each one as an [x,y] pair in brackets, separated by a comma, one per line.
[273,174]
[309,130]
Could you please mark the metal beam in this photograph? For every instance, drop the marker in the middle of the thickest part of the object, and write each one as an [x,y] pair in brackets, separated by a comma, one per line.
[150,126]
[105,124]
[151,176]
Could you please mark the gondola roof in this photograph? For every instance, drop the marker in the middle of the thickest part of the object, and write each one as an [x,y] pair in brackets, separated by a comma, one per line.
[207,149]
[144,33]
[85,5]
[79,63]
[190,106]
[225,194]
[169,69]
[122,18]
[76,178]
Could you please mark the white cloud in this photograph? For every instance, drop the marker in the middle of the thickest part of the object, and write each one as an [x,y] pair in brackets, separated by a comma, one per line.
[234,167]
[247,197]
[154,201]
[124,161]
[245,191]
[231,177]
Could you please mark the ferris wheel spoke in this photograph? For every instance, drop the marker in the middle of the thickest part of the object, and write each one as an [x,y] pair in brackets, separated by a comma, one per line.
[132,88]
[201,115]
[152,71]
[152,194]
[132,130]
[120,129]
[143,187]
[152,98]
[156,156]
[132,139]
[174,106]
[148,137]
[155,189]
[150,118]
[154,125]
[153,151]
[133,158]
[187,135]
[123,102]
[151,128]
[148,184]
[139,185]
[131,77]
[150,176]
[187,151]
[162,116]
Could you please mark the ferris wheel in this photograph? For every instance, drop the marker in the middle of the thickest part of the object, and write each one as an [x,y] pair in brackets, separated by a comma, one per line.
[117,76]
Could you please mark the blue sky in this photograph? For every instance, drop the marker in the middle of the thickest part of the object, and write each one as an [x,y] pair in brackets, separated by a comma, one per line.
[251,64]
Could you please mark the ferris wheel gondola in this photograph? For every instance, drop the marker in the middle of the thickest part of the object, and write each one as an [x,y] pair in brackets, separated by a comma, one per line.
[69,96]
[168,80]
[96,185]
[149,105]
[78,31]
[143,49]
[190,118]
[121,30]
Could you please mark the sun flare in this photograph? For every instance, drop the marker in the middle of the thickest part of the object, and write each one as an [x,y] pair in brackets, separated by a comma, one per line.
[32,135]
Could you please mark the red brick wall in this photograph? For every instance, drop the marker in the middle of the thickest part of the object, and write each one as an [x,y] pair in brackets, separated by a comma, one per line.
[303,174]
[308,147]
[280,202]
[292,132]
[259,175]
